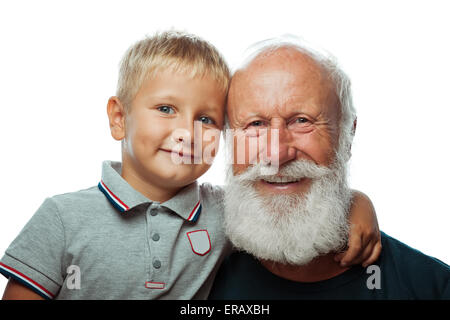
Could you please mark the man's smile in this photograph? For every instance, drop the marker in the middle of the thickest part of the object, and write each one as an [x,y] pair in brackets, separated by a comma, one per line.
[282,184]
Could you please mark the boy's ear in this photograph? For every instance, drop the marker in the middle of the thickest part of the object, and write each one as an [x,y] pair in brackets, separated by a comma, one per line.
[116,115]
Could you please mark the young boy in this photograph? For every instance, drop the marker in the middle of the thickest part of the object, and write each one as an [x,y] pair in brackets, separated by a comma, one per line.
[148,230]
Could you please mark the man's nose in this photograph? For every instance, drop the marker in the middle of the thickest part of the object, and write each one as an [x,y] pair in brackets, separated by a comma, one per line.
[281,148]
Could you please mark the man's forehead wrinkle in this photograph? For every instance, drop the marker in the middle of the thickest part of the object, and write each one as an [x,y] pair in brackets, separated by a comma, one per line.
[301,79]
[299,70]
[285,57]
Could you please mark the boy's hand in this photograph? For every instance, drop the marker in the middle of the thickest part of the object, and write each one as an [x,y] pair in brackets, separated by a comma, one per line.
[364,243]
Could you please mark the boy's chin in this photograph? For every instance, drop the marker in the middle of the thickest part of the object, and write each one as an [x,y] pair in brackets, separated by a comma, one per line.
[176,177]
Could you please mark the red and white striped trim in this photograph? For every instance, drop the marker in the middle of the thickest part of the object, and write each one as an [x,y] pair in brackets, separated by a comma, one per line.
[24,278]
[113,197]
[193,216]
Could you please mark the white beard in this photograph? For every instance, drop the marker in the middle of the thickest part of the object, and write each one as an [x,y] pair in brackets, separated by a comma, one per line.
[289,229]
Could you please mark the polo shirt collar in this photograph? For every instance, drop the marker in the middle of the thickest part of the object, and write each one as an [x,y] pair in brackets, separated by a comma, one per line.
[186,203]
[118,191]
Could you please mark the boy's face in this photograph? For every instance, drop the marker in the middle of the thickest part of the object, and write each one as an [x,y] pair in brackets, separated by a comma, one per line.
[159,127]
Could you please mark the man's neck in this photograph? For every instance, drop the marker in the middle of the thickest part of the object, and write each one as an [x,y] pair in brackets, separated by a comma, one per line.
[321,268]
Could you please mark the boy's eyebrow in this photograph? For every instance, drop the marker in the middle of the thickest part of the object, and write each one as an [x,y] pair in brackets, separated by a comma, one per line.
[173,98]
[213,108]
[165,96]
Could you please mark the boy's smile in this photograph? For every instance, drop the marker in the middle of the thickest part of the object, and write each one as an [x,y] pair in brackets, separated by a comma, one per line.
[159,129]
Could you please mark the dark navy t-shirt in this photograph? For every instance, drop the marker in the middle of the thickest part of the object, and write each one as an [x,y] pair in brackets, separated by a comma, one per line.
[400,272]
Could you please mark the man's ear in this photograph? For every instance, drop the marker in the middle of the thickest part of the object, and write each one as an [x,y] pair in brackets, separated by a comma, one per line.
[353,133]
[354,126]
[116,115]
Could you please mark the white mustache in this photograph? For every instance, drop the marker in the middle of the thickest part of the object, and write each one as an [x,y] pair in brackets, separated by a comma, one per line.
[297,169]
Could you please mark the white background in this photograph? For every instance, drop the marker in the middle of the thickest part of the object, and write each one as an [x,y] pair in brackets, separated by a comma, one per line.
[59,63]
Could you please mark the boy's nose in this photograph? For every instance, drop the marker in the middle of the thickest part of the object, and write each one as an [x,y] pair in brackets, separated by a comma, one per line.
[186,133]
[184,136]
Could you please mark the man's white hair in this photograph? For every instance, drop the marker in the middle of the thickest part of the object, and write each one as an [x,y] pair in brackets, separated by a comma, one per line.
[330,65]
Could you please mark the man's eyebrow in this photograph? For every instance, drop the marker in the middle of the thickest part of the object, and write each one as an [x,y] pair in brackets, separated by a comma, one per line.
[268,114]
[240,120]
[255,114]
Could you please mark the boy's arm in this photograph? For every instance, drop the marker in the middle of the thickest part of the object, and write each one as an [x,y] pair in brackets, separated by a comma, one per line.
[364,243]
[16,291]
[35,256]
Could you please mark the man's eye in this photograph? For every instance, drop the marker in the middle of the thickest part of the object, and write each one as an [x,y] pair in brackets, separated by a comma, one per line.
[166,109]
[301,120]
[256,123]
[206,120]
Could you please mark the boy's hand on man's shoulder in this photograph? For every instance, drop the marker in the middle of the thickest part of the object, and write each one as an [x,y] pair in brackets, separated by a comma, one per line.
[364,243]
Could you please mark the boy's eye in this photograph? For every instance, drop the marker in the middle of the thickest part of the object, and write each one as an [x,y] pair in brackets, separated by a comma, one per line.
[166,109]
[206,120]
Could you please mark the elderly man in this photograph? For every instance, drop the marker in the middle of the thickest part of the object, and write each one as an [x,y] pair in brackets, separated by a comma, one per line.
[288,225]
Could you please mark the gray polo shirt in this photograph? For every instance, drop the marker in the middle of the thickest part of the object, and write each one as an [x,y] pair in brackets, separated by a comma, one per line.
[111,242]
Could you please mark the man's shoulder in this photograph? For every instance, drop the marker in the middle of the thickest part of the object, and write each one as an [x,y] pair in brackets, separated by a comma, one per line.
[421,275]
[212,193]
[404,253]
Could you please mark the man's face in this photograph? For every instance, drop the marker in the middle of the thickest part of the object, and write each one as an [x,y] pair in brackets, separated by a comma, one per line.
[299,212]
[289,92]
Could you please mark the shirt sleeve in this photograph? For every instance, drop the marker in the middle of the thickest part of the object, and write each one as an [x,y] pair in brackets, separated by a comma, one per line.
[35,256]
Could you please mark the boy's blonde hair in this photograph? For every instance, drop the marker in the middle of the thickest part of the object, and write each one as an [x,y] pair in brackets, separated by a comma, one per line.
[179,51]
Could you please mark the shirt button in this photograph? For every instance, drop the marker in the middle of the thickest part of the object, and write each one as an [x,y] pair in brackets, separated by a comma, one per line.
[155,205]
[157,264]
[153,212]
[155,237]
